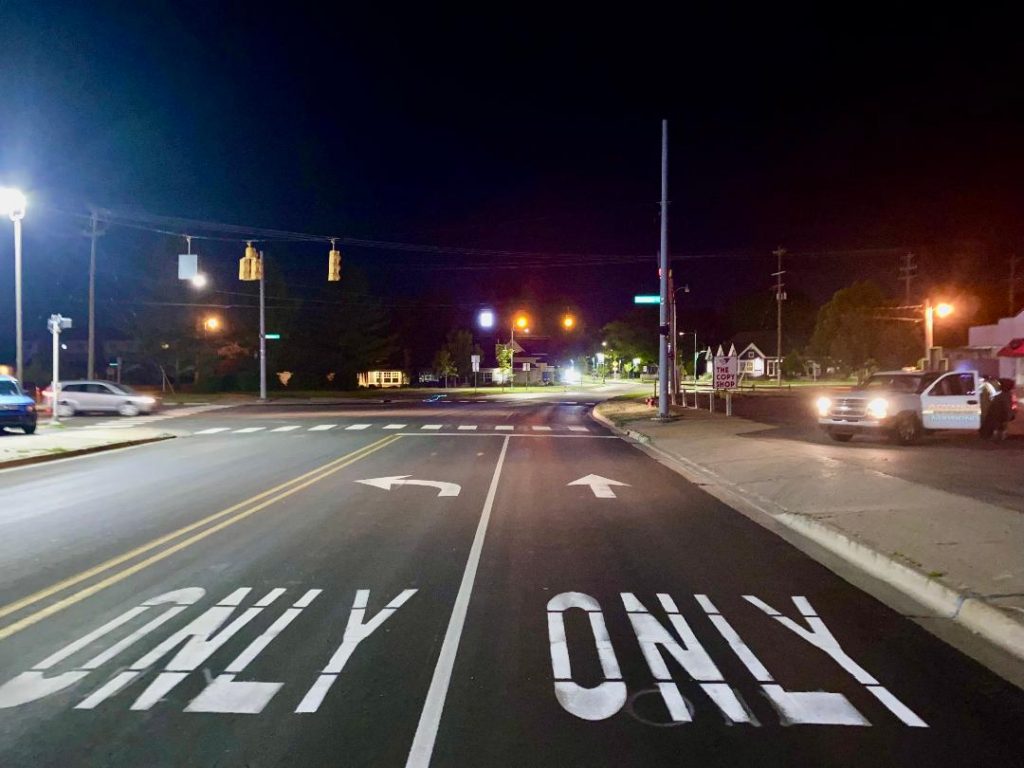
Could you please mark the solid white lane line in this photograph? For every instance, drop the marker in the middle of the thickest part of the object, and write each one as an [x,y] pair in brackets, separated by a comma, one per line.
[431,426]
[394,426]
[286,429]
[322,427]
[541,429]
[504,427]
[247,430]
[468,426]
[433,706]
[358,426]
[213,430]
[578,429]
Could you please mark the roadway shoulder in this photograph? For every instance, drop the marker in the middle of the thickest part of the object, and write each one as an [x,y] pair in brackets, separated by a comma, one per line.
[54,446]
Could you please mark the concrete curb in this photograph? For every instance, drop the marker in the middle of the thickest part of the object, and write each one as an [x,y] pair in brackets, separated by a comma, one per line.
[44,457]
[962,606]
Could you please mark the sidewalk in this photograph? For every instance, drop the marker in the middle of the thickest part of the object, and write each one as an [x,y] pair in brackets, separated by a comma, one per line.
[961,557]
[58,443]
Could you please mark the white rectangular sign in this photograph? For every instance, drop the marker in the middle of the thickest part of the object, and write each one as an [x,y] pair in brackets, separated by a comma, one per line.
[726,370]
[475,360]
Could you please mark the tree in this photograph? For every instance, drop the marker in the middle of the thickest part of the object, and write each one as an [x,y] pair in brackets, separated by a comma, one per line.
[444,364]
[633,335]
[461,347]
[503,354]
[854,332]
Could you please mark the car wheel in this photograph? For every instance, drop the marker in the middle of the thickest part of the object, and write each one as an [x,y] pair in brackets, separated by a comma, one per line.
[840,437]
[907,430]
[29,429]
[65,409]
[128,409]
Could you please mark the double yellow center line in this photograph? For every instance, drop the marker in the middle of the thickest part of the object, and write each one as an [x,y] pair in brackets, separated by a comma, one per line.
[205,527]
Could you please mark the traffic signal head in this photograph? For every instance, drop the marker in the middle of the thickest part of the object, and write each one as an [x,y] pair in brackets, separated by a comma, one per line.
[334,266]
[250,266]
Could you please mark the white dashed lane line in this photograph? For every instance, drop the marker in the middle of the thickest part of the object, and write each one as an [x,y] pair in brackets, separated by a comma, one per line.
[394,426]
[249,430]
[358,426]
[286,429]
[322,427]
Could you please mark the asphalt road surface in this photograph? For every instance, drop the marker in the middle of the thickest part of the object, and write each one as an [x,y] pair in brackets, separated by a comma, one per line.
[465,584]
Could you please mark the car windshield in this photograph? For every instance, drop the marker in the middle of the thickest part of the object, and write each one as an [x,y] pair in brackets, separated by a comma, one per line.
[9,388]
[898,382]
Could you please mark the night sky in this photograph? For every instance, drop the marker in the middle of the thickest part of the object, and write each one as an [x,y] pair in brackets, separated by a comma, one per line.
[850,138]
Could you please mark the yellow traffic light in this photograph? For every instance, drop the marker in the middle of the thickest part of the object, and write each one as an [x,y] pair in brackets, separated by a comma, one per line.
[250,266]
[334,266]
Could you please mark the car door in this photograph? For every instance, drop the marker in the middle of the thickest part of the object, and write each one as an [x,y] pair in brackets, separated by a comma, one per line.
[952,402]
[75,395]
[103,397]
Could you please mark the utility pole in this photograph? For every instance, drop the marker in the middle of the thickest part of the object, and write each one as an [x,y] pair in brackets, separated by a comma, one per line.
[663,315]
[908,271]
[263,334]
[1013,285]
[93,233]
[779,298]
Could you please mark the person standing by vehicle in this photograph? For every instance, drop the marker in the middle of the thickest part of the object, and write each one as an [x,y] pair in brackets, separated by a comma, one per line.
[999,412]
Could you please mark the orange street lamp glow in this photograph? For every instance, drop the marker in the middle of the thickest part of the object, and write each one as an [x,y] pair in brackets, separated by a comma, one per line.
[568,322]
[211,323]
[522,321]
[944,310]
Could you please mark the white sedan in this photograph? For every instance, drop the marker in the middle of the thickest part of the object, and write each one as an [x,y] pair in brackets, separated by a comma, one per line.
[105,396]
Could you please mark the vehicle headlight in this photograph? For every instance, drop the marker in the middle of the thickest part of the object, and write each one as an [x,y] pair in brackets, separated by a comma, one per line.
[147,400]
[878,408]
[824,405]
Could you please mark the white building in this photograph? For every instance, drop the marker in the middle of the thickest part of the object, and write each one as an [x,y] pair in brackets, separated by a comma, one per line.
[1005,341]
[383,379]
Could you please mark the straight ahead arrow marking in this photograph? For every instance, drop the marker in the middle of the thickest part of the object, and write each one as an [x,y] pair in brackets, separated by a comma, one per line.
[601,486]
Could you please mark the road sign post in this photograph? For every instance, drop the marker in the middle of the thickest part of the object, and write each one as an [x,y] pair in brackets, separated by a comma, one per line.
[56,324]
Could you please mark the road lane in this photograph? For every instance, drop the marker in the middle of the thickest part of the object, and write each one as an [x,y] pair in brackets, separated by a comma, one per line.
[359,544]
[560,559]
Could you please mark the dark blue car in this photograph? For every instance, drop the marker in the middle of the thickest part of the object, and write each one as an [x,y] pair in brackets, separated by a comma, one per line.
[16,408]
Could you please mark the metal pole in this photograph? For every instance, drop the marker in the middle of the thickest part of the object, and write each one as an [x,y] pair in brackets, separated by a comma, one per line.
[695,356]
[92,299]
[674,348]
[20,354]
[512,358]
[263,334]
[663,314]
[55,384]
[779,252]
[929,333]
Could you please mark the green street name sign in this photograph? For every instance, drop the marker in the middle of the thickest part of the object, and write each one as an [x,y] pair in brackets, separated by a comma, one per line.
[272,336]
[647,299]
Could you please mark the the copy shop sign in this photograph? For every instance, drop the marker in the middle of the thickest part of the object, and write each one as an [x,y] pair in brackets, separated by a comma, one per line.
[726,370]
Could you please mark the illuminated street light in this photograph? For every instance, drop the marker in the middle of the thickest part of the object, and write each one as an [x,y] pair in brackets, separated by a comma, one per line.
[568,322]
[13,202]
[486,318]
[199,280]
[942,309]
[211,323]
[522,322]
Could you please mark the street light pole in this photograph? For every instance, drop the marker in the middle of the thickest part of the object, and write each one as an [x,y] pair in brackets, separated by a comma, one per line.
[929,333]
[663,314]
[263,334]
[16,217]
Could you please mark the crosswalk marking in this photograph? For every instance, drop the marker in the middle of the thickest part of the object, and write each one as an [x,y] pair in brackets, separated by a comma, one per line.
[247,430]
[578,429]
[537,428]
[467,427]
[504,427]
[213,431]
[358,426]
[431,426]
[394,426]
[286,429]
[322,427]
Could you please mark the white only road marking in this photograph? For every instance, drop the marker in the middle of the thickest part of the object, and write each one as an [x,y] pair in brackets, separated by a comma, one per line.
[541,429]
[818,635]
[387,483]
[430,718]
[432,426]
[247,430]
[467,427]
[358,426]
[601,486]
[322,427]
[223,694]
[32,685]
[213,430]
[355,632]
[286,429]
[394,426]
[578,429]
[504,427]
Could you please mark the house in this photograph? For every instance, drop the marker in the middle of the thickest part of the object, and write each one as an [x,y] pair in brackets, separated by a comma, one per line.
[753,362]
[1000,347]
[529,361]
[383,379]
